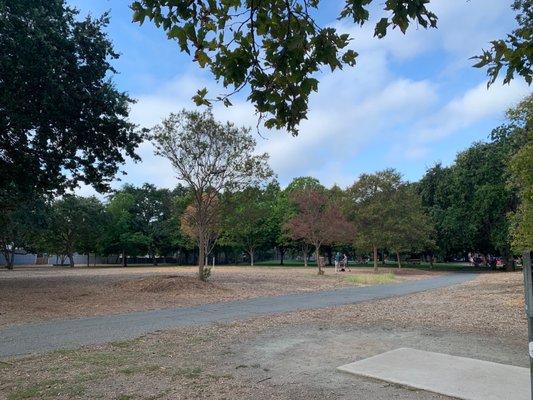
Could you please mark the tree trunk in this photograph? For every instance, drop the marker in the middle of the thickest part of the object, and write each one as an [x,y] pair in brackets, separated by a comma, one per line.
[305,251]
[281,254]
[330,256]
[251,252]
[10,259]
[201,256]
[509,261]
[124,258]
[71,260]
[88,259]
[375,258]
[398,258]
[382,257]
[320,270]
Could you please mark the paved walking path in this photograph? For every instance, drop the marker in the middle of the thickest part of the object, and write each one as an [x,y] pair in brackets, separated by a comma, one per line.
[73,333]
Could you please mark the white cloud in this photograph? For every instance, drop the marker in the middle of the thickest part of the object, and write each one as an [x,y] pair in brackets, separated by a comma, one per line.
[373,108]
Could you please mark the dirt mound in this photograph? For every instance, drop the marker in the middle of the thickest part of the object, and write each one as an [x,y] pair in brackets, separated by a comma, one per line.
[168,283]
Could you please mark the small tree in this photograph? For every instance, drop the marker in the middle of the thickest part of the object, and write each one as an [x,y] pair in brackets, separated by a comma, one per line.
[318,221]
[210,157]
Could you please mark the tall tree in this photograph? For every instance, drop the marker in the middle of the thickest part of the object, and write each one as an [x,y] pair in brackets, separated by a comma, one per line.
[318,221]
[436,191]
[519,131]
[210,157]
[122,235]
[62,121]
[370,204]
[249,220]
[412,229]
[151,210]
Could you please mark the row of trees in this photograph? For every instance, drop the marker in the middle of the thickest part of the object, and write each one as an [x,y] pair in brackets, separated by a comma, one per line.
[480,203]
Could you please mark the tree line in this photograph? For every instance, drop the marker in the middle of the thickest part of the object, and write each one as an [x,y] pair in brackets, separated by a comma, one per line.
[228,202]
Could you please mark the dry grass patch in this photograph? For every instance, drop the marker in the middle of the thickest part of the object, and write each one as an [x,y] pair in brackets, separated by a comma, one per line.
[44,294]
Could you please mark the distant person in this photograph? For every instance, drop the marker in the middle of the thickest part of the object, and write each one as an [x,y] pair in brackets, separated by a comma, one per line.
[345,263]
[337,261]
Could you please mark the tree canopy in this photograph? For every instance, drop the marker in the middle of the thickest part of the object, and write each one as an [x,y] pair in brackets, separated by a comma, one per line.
[275,47]
[211,157]
[62,121]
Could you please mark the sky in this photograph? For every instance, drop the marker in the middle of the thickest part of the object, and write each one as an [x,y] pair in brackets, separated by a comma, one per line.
[412,100]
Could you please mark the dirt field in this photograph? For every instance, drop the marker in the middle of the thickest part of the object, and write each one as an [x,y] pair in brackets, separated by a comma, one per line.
[291,356]
[36,294]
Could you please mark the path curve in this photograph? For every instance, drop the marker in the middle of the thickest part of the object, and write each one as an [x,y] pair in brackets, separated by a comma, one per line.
[68,334]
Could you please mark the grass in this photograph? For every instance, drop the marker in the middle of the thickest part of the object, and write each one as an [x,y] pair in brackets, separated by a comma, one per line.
[46,390]
[371,279]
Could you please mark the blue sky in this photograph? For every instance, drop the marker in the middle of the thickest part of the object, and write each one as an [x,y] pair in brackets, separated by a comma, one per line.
[411,101]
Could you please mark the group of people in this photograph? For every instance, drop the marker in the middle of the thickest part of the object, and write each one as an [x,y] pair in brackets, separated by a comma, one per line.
[341,262]
[478,260]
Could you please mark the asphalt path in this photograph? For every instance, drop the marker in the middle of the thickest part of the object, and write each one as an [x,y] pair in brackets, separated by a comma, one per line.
[43,337]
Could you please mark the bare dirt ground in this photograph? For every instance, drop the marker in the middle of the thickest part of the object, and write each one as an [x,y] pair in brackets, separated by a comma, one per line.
[34,294]
[289,356]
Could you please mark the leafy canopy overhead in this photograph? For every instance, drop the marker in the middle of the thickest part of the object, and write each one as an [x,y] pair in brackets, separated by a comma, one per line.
[62,121]
[515,53]
[275,47]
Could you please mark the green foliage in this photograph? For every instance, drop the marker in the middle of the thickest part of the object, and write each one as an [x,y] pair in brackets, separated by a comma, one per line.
[515,53]
[62,121]
[412,228]
[371,207]
[520,132]
[122,235]
[21,226]
[248,222]
[151,211]
[275,47]
[371,279]
[480,199]
[74,224]
[211,157]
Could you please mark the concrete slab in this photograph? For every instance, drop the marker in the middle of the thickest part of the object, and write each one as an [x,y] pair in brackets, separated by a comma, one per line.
[459,377]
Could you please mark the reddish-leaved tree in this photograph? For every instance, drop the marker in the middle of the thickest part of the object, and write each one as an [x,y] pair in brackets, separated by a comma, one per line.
[318,221]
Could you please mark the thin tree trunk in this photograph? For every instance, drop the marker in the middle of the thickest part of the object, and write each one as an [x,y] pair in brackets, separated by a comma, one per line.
[305,251]
[281,255]
[251,252]
[320,270]
[88,259]
[382,257]
[375,258]
[398,258]
[9,256]
[201,256]
[124,258]
[509,261]
[71,260]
